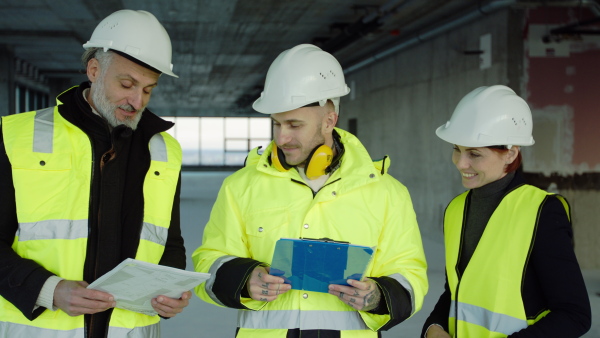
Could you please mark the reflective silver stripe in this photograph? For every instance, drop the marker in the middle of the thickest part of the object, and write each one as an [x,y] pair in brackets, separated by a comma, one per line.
[496,322]
[43,130]
[153,233]
[19,330]
[305,320]
[158,148]
[150,331]
[213,274]
[406,284]
[53,229]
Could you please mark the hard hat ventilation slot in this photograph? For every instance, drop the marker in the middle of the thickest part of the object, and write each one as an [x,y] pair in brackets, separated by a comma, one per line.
[332,73]
[110,25]
[514,121]
[323,76]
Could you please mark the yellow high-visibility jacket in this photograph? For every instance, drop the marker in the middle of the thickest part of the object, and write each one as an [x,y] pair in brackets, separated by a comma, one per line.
[360,204]
[486,301]
[51,163]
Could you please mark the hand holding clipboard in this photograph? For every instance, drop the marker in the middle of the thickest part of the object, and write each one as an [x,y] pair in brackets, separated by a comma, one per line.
[313,264]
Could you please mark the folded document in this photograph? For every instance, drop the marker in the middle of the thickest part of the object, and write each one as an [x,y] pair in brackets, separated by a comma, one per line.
[134,283]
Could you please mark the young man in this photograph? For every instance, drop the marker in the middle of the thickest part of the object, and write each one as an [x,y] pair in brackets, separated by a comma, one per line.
[313,181]
[87,184]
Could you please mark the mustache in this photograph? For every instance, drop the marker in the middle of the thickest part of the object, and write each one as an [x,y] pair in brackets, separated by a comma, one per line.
[129,108]
[287,145]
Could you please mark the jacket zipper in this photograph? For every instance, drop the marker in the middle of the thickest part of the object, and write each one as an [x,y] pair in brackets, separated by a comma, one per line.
[314,193]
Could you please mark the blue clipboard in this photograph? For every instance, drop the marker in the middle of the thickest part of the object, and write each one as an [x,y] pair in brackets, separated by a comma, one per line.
[313,264]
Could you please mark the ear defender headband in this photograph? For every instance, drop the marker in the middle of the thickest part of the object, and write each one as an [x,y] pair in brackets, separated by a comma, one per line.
[317,162]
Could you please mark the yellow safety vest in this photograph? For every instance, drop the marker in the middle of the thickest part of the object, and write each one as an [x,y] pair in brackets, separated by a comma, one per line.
[51,163]
[486,301]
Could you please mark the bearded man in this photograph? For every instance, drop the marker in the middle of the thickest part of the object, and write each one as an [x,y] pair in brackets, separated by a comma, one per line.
[86,184]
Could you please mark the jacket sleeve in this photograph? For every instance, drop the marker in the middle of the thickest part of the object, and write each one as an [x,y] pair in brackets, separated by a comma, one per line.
[225,256]
[441,311]
[174,255]
[554,264]
[21,280]
[399,265]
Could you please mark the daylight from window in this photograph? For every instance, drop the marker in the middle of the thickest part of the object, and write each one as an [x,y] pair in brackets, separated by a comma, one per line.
[219,141]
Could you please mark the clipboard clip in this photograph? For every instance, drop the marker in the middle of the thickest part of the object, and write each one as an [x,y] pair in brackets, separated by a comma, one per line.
[323,239]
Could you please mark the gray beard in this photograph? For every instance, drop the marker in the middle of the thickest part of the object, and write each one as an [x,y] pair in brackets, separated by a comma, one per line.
[107,109]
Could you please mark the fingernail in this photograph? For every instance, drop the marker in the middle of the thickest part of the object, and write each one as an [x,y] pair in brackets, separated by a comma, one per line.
[160,299]
[330,287]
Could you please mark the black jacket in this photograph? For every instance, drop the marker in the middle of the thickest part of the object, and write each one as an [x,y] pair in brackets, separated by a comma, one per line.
[115,215]
[552,280]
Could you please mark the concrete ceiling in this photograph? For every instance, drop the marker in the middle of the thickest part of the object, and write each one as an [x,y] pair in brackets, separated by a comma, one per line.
[221,49]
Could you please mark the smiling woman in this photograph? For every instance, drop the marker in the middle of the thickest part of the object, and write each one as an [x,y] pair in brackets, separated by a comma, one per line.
[219,141]
[502,229]
[483,165]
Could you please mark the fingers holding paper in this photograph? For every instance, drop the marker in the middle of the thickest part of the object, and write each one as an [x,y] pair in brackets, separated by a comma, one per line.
[170,307]
[363,296]
[74,299]
[264,287]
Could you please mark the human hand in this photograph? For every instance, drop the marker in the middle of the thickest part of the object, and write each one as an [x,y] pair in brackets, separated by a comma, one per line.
[363,296]
[170,307]
[74,299]
[264,287]
[436,331]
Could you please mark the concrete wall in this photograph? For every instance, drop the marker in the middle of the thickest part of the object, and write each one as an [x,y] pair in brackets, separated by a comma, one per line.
[561,85]
[7,81]
[585,215]
[400,101]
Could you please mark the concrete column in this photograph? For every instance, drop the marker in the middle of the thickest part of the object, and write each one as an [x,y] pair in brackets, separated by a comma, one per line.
[57,86]
[7,81]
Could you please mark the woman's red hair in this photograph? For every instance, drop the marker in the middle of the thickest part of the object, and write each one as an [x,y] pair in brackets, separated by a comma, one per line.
[515,164]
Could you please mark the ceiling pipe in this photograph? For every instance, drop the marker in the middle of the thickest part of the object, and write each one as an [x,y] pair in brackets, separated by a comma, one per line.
[489,8]
[593,5]
[364,26]
[573,28]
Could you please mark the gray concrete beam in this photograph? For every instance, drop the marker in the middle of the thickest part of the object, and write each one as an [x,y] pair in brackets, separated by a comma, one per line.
[7,81]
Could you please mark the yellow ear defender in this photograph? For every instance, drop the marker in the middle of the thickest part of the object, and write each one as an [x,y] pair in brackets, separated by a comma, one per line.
[278,159]
[317,161]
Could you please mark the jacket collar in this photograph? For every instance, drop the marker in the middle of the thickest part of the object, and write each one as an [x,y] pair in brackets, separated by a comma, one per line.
[356,164]
[149,124]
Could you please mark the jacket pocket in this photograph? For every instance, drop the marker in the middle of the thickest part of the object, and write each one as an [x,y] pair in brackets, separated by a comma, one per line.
[44,185]
[264,228]
[266,222]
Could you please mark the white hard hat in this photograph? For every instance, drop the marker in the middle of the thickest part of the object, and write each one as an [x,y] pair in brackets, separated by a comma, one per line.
[299,76]
[489,116]
[137,34]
